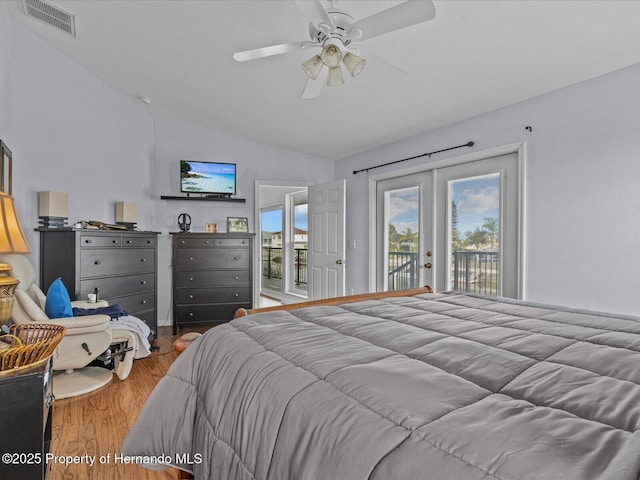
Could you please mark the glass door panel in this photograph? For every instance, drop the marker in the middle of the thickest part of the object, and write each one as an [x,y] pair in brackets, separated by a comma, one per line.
[401,237]
[474,234]
[271,236]
[403,204]
[299,238]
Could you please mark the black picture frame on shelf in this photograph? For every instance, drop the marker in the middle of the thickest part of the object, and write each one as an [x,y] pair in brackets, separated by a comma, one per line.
[237,225]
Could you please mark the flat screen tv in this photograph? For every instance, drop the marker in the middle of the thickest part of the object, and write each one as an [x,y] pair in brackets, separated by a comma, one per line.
[210,178]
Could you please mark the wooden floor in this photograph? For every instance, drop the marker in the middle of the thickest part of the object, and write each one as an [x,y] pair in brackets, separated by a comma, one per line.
[95,424]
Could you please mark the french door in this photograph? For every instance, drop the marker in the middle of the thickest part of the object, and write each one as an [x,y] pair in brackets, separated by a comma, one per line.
[454,228]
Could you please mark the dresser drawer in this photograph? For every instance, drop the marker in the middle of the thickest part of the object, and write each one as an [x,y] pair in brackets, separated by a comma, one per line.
[138,241]
[207,313]
[93,241]
[195,242]
[213,295]
[135,303]
[205,259]
[212,278]
[232,242]
[104,262]
[116,286]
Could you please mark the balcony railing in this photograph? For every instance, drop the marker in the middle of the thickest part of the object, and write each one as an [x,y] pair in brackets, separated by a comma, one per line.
[403,270]
[272,264]
[471,271]
[475,272]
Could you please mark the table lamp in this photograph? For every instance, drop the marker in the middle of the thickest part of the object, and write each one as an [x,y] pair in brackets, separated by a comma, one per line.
[12,240]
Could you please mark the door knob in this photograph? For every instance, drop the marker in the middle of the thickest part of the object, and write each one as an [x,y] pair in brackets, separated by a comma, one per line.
[427,265]
[339,262]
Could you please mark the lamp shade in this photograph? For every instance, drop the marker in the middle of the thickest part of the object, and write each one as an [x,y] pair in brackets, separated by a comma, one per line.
[312,66]
[354,63]
[53,204]
[12,238]
[126,212]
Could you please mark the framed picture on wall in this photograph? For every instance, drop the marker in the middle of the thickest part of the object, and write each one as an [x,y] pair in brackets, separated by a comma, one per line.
[6,166]
[211,228]
[237,224]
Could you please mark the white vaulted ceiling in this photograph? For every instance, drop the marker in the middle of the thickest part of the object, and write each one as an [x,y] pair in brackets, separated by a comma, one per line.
[475,56]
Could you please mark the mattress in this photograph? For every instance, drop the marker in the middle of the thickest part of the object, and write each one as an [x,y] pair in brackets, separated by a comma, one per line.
[434,386]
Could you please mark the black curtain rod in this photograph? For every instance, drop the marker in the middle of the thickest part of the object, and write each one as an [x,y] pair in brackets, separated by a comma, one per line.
[468,144]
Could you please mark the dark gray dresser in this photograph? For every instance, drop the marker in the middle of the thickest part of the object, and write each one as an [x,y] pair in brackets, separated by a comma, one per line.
[212,277]
[120,265]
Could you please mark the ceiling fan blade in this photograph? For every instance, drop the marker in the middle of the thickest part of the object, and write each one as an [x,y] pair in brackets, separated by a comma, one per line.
[316,12]
[380,67]
[270,51]
[313,87]
[401,16]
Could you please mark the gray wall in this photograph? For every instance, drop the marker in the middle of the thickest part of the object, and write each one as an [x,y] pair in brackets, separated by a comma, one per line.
[582,195]
[70,132]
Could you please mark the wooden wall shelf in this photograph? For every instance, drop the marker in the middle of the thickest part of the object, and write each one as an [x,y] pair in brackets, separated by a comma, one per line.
[204,199]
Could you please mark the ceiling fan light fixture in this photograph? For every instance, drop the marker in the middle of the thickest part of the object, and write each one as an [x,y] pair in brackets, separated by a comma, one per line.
[335,77]
[353,63]
[313,66]
[331,55]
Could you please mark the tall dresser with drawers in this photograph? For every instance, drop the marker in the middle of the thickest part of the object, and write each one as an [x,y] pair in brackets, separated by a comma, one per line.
[120,266]
[212,277]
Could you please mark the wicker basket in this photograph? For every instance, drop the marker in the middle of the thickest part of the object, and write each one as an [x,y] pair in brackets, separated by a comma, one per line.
[29,346]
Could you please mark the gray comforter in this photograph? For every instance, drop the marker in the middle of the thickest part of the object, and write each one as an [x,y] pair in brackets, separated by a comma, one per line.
[437,386]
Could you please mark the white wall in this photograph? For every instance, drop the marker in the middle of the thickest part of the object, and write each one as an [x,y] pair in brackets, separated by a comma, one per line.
[70,132]
[582,194]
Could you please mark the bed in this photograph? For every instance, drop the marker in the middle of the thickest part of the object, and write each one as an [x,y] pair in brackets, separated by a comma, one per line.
[418,386]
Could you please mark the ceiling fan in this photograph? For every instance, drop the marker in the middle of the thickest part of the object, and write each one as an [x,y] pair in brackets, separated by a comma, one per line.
[334,30]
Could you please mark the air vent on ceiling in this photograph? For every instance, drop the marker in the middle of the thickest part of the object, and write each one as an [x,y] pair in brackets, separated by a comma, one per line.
[51,14]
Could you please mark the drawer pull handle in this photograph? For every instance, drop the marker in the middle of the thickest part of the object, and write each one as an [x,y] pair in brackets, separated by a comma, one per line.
[237,277]
[236,258]
[143,259]
[114,241]
[191,314]
[190,296]
[191,259]
[191,279]
[88,241]
[97,262]
[207,242]
[143,302]
[129,241]
[182,242]
[237,294]
[143,282]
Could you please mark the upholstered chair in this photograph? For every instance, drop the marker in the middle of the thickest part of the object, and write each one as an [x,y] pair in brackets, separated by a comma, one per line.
[87,336]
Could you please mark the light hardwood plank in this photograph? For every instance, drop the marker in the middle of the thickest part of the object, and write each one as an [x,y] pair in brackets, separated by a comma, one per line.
[95,424]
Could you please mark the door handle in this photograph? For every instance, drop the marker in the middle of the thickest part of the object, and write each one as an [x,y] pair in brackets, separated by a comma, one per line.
[340,262]
[427,265]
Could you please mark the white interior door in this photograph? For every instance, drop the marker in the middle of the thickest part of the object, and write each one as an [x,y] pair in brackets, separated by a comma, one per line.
[326,261]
